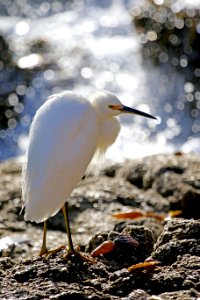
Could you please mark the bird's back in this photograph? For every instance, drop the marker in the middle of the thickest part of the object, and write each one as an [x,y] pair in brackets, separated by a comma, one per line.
[63,139]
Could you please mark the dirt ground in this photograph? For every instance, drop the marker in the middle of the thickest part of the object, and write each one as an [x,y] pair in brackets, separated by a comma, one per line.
[155,184]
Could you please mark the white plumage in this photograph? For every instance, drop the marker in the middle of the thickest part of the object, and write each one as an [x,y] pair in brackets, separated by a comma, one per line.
[65,133]
[62,143]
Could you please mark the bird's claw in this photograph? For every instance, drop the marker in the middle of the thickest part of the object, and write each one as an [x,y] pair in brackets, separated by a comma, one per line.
[78,254]
[44,252]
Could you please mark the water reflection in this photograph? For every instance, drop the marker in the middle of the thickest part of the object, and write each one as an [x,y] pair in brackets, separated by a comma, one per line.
[89,45]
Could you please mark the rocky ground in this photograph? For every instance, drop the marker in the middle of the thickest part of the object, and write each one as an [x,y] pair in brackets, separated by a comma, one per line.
[155,184]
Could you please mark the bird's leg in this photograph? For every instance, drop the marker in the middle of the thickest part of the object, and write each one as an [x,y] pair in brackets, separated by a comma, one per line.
[69,236]
[43,249]
[71,250]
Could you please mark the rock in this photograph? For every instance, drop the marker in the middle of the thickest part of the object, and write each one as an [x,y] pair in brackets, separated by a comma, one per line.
[175,243]
[179,237]
[137,295]
[136,174]
[168,32]
[180,295]
[5,263]
[175,177]
[154,225]
[145,239]
[185,273]
[125,253]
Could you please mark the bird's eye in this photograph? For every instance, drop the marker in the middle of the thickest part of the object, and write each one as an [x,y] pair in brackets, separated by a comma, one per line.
[116,107]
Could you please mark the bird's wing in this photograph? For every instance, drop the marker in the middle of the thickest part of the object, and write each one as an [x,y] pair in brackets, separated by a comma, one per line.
[63,139]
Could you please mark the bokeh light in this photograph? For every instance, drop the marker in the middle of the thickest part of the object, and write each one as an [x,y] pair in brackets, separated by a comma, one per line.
[148,54]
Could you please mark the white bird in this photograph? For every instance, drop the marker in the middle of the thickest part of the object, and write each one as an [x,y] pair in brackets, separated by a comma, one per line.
[66,132]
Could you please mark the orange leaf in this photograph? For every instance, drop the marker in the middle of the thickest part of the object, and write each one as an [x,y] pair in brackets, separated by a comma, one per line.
[105,247]
[129,215]
[159,217]
[146,265]
[174,213]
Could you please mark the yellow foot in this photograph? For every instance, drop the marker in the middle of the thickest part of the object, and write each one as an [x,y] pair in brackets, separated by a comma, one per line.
[78,254]
[48,253]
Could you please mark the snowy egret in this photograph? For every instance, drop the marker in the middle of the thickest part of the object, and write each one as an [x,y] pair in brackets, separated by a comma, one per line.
[66,132]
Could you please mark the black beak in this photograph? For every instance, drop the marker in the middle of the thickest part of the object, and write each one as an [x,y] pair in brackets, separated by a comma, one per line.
[129,110]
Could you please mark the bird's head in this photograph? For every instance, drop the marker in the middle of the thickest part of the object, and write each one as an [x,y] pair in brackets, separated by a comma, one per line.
[108,105]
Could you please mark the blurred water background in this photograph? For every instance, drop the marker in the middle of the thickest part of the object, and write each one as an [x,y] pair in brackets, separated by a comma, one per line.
[148,55]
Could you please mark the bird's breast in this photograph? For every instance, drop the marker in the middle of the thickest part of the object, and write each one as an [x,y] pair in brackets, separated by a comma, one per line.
[108,132]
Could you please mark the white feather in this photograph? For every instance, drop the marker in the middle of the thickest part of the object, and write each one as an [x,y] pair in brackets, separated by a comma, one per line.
[62,144]
[65,134]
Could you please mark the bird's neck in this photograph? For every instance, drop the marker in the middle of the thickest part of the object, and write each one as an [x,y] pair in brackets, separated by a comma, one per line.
[108,131]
